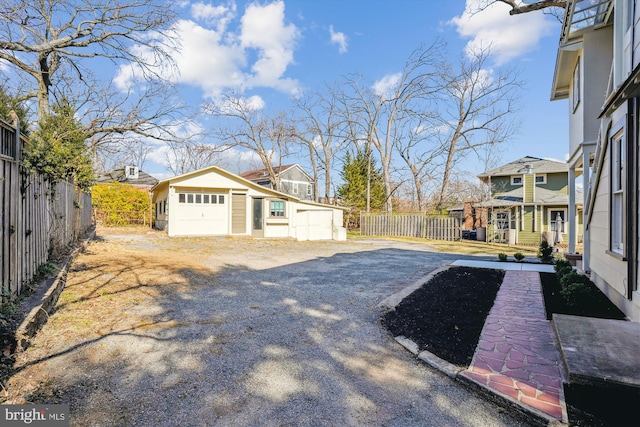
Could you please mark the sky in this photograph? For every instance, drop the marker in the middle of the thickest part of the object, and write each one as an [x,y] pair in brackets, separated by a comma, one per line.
[277,49]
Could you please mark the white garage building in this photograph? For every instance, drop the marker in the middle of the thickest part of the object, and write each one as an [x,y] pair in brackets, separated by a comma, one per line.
[214,202]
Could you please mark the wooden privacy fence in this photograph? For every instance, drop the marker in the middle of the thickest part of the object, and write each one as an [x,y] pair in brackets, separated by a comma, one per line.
[36,219]
[435,227]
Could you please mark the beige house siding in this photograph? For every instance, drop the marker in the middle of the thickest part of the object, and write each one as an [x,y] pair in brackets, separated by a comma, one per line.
[606,269]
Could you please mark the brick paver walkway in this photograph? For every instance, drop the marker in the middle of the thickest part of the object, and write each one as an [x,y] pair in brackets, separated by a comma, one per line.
[517,356]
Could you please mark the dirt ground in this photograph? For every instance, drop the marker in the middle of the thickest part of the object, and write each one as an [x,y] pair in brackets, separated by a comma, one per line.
[152,330]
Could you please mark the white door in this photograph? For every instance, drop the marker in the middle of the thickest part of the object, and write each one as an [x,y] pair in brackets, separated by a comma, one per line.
[503,219]
[314,225]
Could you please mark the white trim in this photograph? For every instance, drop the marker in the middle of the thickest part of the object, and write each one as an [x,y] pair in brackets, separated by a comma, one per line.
[564,218]
[543,176]
[617,188]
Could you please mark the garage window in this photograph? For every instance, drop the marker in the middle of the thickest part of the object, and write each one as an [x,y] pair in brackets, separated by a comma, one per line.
[182,198]
[276,208]
[221,199]
[205,198]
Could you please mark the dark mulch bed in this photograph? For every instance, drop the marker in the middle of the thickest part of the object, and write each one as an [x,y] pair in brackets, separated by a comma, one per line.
[447,316]
[596,304]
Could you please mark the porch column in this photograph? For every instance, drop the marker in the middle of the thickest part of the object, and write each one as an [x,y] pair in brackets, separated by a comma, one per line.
[572,209]
[588,151]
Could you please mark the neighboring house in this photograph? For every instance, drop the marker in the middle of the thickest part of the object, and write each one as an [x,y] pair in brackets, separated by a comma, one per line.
[128,175]
[528,202]
[292,180]
[214,202]
[598,71]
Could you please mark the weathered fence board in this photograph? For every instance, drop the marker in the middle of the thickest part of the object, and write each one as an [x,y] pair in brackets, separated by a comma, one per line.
[35,218]
[433,227]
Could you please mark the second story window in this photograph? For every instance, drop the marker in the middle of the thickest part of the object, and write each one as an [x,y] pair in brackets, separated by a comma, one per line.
[541,179]
[516,180]
[575,89]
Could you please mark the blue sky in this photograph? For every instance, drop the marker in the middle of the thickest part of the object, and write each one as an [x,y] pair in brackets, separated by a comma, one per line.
[277,48]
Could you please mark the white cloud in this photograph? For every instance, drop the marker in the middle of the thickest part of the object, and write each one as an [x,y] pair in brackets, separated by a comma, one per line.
[214,54]
[507,36]
[253,103]
[387,85]
[215,16]
[263,29]
[338,38]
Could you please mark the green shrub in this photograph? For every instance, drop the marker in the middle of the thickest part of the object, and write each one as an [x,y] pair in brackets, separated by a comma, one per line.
[502,256]
[562,267]
[545,252]
[118,204]
[577,290]
[518,256]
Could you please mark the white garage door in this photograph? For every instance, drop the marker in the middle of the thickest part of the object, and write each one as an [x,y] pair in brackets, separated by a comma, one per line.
[314,225]
[200,214]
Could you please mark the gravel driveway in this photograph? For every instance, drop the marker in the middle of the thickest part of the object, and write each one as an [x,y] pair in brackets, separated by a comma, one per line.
[153,331]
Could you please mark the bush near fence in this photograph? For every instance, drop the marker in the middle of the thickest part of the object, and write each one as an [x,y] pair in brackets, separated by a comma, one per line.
[119,204]
[435,227]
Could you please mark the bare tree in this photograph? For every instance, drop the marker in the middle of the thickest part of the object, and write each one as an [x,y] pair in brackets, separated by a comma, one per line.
[517,7]
[476,111]
[242,124]
[123,152]
[320,131]
[48,44]
[380,112]
[183,157]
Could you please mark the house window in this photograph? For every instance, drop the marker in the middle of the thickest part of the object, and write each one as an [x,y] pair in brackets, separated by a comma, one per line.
[576,86]
[276,208]
[541,179]
[182,198]
[164,206]
[617,193]
[294,188]
[516,180]
[557,218]
[309,190]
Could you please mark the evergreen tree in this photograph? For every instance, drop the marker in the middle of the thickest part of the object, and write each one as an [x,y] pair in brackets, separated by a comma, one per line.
[57,149]
[353,191]
[10,103]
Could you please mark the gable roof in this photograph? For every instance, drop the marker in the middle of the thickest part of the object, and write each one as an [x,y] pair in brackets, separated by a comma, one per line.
[118,175]
[216,169]
[262,174]
[239,179]
[518,167]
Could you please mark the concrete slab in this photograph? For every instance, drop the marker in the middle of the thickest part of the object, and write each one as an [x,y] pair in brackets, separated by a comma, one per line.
[499,265]
[599,352]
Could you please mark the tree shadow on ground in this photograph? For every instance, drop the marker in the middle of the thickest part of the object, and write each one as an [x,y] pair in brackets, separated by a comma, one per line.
[157,338]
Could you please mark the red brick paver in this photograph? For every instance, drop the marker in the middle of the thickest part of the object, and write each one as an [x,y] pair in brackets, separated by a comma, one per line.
[516,356]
